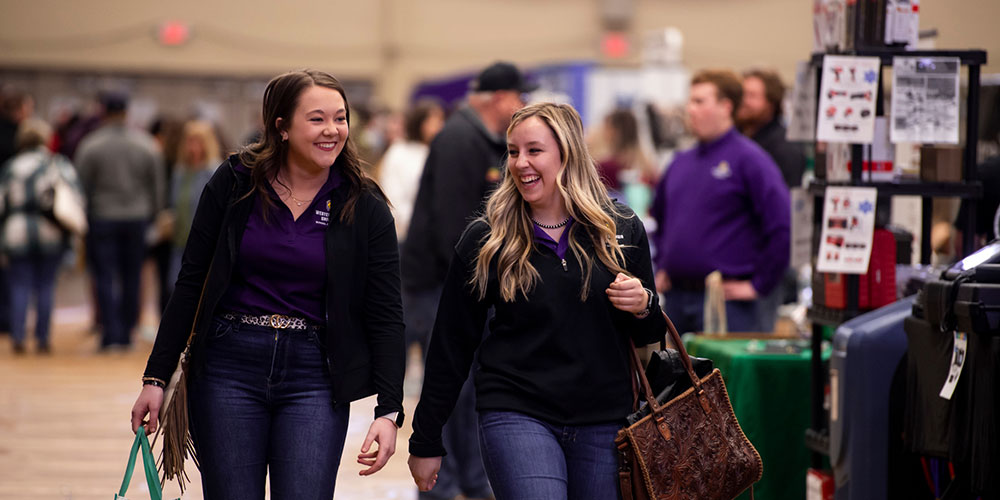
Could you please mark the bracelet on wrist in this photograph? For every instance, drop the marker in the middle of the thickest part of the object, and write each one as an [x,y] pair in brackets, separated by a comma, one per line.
[154,381]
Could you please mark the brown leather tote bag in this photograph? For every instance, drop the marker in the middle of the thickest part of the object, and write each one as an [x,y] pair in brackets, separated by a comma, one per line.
[690,447]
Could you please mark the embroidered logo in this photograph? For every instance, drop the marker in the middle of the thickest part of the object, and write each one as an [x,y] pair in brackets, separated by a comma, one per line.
[323,217]
[493,174]
[722,170]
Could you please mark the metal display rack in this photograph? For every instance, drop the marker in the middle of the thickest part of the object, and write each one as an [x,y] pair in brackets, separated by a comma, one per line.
[817,436]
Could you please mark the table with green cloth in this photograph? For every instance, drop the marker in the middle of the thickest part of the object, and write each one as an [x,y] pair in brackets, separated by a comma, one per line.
[770,396]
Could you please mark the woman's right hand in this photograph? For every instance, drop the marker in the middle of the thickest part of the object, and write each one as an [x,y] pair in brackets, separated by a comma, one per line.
[149,402]
[424,471]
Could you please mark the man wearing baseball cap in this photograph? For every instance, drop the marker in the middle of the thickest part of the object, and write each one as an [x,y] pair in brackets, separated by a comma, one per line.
[463,165]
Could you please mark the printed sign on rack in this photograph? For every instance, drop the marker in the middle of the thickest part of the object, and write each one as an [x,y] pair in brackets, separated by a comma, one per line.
[925,99]
[848,227]
[849,87]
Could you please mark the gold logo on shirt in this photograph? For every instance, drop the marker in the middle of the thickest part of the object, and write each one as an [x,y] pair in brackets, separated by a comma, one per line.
[493,174]
[722,170]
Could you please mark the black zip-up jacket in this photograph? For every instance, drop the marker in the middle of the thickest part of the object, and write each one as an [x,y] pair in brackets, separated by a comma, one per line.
[789,156]
[548,355]
[364,318]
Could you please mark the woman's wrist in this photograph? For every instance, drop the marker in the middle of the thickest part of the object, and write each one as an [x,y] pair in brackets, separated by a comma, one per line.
[154,381]
[649,305]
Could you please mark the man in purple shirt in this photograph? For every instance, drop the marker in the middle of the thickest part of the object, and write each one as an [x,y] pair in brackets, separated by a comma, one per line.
[721,205]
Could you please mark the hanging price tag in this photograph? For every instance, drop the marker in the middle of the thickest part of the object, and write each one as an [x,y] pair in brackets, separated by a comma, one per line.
[958,354]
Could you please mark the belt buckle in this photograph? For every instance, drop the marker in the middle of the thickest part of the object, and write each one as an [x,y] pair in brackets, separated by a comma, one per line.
[279,321]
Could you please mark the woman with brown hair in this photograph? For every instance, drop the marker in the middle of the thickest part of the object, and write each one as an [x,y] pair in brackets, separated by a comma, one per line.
[290,281]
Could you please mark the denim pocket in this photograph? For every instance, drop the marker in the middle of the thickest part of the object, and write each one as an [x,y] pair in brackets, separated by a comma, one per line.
[220,328]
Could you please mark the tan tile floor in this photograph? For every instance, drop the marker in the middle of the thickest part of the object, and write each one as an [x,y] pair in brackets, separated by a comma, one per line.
[64,418]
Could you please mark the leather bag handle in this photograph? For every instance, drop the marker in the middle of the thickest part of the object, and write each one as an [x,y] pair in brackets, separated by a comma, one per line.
[685,359]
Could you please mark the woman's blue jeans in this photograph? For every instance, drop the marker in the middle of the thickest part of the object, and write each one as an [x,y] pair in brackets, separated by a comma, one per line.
[32,275]
[528,459]
[262,404]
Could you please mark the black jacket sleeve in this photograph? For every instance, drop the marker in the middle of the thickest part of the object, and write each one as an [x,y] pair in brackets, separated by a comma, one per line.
[179,315]
[458,330]
[653,327]
[383,310]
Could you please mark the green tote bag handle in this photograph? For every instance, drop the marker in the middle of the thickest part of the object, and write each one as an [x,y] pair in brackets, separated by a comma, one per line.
[149,464]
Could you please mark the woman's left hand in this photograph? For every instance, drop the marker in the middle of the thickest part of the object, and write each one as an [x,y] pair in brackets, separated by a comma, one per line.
[383,432]
[627,294]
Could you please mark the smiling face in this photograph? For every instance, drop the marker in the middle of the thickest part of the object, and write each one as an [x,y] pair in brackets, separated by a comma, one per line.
[535,163]
[317,130]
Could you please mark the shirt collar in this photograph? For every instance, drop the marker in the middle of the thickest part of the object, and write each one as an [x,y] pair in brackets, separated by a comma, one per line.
[560,247]
[706,147]
[333,180]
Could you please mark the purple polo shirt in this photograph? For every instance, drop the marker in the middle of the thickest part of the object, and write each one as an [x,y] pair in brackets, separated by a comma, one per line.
[281,266]
[559,247]
[723,205]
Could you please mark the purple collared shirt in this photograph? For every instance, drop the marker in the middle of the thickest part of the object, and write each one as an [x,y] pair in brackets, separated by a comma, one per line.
[281,266]
[723,205]
[559,247]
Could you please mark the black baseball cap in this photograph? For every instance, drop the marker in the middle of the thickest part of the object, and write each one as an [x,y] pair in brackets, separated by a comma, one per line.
[501,76]
[114,102]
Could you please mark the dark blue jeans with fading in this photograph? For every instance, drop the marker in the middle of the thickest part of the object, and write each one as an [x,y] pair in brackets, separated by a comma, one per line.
[262,403]
[530,459]
[686,309]
[32,275]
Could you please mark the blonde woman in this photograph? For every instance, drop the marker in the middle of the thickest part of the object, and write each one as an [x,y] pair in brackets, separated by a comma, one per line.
[197,157]
[567,272]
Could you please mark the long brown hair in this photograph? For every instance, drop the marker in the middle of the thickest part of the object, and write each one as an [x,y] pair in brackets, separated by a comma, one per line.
[265,157]
[511,237]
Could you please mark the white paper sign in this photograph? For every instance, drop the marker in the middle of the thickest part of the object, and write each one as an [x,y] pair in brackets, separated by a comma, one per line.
[802,227]
[848,228]
[802,105]
[925,99]
[958,354]
[849,87]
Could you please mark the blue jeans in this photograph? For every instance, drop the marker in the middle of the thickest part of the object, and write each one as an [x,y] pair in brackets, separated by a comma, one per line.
[686,311]
[27,275]
[262,403]
[527,458]
[117,249]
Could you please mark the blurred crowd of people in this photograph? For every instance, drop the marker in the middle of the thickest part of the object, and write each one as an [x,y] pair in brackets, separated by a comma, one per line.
[721,205]
[140,189]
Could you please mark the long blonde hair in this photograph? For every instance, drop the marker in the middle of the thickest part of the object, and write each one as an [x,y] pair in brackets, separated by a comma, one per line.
[205,132]
[511,236]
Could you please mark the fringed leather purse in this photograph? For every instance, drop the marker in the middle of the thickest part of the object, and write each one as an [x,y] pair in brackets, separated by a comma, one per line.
[177,443]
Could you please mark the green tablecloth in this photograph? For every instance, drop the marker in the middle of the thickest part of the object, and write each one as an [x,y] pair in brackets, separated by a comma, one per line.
[770,395]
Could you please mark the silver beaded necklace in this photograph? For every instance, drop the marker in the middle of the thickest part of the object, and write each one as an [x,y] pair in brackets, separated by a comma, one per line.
[553,226]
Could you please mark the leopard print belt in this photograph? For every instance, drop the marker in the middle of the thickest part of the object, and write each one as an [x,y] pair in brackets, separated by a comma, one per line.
[277,321]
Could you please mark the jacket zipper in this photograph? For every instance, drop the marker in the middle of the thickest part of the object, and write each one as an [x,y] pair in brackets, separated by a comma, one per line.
[565,267]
